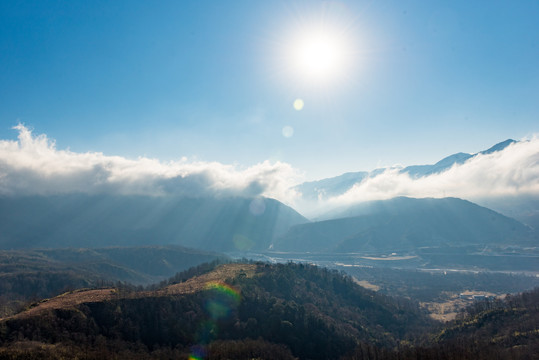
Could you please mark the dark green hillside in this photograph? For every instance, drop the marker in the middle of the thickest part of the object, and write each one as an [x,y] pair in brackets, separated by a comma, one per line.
[509,327]
[404,224]
[262,311]
[499,330]
[151,263]
[35,274]
[310,312]
[224,224]
[439,286]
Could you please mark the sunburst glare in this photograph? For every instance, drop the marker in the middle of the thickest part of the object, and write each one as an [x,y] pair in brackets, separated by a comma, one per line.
[319,54]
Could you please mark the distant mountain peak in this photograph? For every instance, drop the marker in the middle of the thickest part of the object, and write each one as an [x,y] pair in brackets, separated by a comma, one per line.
[498,147]
[339,185]
[458,158]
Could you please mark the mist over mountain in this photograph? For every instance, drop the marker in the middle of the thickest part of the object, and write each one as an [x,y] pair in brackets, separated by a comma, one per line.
[32,165]
[312,190]
[405,224]
[340,184]
[58,198]
[78,220]
[503,178]
[447,162]
[524,208]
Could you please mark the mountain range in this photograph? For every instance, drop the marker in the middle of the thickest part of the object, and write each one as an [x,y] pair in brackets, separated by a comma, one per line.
[339,185]
[522,207]
[242,225]
[79,220]
[405,224]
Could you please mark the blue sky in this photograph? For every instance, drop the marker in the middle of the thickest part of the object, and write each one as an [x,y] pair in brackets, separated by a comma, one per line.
[213,80]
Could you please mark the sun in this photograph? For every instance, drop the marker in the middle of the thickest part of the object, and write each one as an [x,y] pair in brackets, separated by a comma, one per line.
[319,55]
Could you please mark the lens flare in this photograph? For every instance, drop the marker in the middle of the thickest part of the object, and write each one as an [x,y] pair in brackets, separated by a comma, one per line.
[257,206]
[217,309]
[298,104]
[225,289]
[197,353]
[288,131]
[223,301]
[242,242]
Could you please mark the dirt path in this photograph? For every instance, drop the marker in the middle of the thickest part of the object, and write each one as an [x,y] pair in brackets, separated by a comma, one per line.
[66,300]
[199,283]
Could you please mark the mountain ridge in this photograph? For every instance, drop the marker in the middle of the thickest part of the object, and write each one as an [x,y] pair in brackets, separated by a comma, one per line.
[406,224]
[314,312]
[293,310]
[338,185]
[79,220]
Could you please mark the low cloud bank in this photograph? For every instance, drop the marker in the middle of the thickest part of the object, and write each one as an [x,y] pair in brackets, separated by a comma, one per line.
[513,171]
[32,165]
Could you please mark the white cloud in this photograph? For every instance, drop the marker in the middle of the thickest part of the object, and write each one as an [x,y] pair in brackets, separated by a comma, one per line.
[33,165]
[513,171]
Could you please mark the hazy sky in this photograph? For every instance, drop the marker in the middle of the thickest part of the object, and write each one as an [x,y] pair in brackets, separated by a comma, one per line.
[388,82]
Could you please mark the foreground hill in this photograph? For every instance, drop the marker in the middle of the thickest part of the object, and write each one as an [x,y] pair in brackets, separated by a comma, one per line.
[225,224]
[31,274]
[488,330]
[510,328]
[292,310]
[406,224]
[248,311]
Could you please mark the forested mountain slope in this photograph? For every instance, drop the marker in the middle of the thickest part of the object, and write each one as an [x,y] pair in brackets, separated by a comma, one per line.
[307,311]
[34,274]
[404,224]
[78,220]
[257,310]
